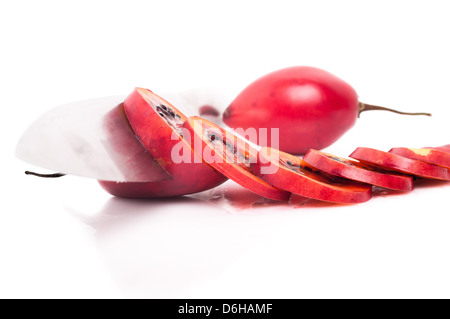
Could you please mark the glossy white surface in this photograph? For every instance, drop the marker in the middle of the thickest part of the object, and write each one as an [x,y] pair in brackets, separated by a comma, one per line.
[68,238]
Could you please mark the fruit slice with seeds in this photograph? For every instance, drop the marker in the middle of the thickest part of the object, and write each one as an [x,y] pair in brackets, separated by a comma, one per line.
[357,171]
[230,155]
[431,156]
[291,173]
[157,124]
[401,164]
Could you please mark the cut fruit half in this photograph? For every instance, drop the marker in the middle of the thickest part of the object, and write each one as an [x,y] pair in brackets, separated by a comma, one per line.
[230,155]
[357,171]
[157,125]
[291,173]
[401,164]
[431,156]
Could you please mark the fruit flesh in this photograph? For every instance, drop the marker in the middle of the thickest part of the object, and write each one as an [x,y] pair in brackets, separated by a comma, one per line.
[401,164]
[357,171]
[158,124]
[155,121]
[431,156]
[231,156]
[301,102]
[296,176]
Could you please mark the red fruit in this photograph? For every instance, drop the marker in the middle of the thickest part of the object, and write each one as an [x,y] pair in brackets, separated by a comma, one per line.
[432,156]
[400,164]
[208,110]
[311,108]
[445,148]
[169,188]
[291,173]
[357,171]
[133,160]
[230,155]
[157,125]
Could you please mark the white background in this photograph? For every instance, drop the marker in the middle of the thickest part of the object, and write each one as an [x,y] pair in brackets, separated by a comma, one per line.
[68,238]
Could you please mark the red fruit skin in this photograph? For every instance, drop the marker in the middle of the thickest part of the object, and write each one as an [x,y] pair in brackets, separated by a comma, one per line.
[311,108]
[236,170]
[398,163]
[155,135]
[309,182]
[208,110]
[431,156]
[169,188]
[357,171]
[445,148]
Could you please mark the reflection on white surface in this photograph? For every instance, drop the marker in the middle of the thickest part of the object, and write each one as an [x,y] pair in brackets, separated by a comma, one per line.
[149,257]
[71,239]
[179,247]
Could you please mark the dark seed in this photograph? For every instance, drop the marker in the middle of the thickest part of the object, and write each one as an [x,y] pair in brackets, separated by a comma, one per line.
[212,137]
[290,163]
[158,109]
[164,107]
[171,113]
[161,114]
[177,116]
[307,168]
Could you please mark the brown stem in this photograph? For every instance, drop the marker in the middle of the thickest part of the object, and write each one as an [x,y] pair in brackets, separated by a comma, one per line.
[368,107]
[55,175]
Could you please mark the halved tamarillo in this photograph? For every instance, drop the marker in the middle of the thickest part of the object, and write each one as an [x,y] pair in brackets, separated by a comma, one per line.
[230,155]
[399,163]
[310,107]
[157,124]
[357,171]
[432,156]
[291,173]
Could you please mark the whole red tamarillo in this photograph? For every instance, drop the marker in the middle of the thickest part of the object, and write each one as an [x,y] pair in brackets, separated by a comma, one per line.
[311,108]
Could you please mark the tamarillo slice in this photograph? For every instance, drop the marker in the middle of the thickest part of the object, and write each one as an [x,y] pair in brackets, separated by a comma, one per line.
[444,148]
[292,174]
[357,171]
[399,163]
[431,156]
[231,156]
[157,124]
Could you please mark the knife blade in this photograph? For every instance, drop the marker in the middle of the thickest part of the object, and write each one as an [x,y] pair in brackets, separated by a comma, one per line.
[92,138]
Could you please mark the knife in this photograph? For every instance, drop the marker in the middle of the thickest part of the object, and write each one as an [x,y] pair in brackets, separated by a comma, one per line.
[92,138]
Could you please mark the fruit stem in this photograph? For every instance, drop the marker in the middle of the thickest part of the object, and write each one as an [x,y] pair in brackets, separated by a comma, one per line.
[368,107]
[55,175]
